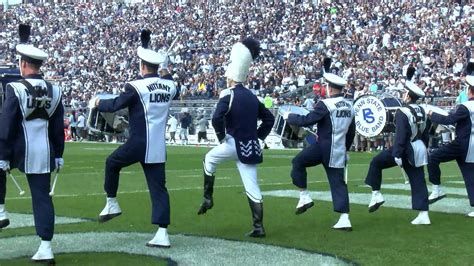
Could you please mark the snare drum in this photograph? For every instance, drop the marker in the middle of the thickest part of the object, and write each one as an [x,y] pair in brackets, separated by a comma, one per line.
[376,115]
[108,123]
[286,131]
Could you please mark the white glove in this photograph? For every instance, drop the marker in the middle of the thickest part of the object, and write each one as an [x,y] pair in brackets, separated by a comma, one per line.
[92,102]
[285,115]
[59,163]
[166,59]
[398,161]
[4,165]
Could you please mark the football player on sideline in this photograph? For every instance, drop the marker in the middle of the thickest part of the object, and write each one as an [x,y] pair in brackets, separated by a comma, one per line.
[32,135]
[336,130]
[235,123]
[147,100]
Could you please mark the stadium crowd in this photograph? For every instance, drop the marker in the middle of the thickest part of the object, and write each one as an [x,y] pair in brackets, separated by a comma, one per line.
[92,46]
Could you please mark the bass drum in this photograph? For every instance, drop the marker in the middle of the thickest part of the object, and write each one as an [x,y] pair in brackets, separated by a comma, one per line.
[376,115]
[107,123]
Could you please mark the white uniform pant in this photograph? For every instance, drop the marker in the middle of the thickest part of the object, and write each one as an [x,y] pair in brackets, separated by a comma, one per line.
[248,172]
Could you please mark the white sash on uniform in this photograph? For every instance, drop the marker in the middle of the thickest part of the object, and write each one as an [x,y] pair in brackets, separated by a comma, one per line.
[420,153]
[341,114]
[36,130]
[155,96]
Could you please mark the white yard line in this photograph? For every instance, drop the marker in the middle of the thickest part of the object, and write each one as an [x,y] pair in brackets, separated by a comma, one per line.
[447,190]
[186,250]
[448,205]
[19,220]
[181,189]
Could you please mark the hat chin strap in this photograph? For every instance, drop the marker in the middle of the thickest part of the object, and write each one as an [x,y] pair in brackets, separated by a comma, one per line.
[19,66]
[328,91]
[141,67]
[231,83]
[405,97]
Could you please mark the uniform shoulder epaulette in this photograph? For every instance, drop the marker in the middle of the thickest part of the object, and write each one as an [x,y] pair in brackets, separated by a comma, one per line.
[225,92]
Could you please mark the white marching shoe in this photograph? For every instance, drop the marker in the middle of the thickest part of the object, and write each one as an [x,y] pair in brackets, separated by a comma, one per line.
[376,201]
[304,203]
[161,239]
[110,211]
[4,221]
[44,253]
[422,218]
[344,223]
[436,194]
[470,215]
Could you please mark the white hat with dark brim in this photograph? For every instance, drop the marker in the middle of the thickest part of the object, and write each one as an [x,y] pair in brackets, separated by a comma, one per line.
[28,52]
[470,80]
[470,72]
[335,81]
[150,56]
[414,88]
[31,54]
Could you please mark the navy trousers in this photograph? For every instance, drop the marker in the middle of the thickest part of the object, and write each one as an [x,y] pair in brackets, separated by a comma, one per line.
[312,156]
[449,152]
[416,176]
[43,209]
[3,186]
[129,154]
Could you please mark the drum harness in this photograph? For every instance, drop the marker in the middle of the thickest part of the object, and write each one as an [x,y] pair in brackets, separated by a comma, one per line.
[38,95]
[418,121]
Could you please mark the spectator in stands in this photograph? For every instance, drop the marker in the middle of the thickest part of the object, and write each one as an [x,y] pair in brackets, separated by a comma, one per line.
[319,91]
[367,41]
[308,103]
[268,101]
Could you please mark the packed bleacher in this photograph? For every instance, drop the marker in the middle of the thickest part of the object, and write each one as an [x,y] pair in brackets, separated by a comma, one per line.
[92,46]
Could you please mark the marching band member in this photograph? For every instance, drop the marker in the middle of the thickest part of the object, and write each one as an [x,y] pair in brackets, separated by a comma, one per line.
[32,123]
[147,100]
[336,129]
[409,152]
[235,123]
[4,220]
[461,149]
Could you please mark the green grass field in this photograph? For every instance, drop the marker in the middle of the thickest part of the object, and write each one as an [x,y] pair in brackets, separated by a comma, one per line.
[385,237]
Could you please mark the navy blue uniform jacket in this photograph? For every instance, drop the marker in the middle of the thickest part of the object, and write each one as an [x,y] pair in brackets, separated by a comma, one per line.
[236,114]
[462,119]
[12,134]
